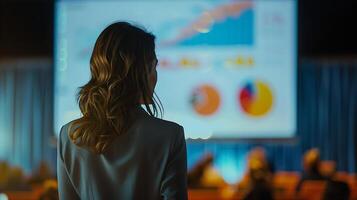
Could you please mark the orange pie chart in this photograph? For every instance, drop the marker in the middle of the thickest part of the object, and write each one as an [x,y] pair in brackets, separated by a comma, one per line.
[205,100]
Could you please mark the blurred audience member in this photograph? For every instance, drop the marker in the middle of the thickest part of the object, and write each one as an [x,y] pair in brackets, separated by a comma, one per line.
[327,168]
[4,175]
[50,190]
[335,189]
[256,159]
[41,174]
[13,178]
[259,187]
[311,165]
[204,175]
[16,180]
[258,179]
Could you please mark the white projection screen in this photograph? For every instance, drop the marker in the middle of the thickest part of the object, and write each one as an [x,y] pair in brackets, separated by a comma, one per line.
[227,69]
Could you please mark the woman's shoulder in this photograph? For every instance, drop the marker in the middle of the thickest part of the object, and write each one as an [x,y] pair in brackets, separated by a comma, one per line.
[162,125]
[161,128]
[66,127]
[152,122]
[63,134]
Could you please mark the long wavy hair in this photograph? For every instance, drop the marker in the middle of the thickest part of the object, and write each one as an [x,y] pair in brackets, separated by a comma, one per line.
[122,61]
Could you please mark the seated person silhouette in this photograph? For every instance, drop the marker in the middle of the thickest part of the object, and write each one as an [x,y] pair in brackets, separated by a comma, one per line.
[41,173]
[203,175]
[257,154]
[311,166]
[4,175]
[335,188]
[17,180]
[259,179]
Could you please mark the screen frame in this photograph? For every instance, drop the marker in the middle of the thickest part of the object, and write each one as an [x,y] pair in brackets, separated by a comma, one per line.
[292,138]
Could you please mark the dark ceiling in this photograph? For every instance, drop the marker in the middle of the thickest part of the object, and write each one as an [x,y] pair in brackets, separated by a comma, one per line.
[325,28]
[26,28]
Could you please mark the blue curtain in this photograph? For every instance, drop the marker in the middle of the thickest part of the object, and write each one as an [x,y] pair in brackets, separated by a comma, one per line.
[327,112]
[327,116]
[26,112]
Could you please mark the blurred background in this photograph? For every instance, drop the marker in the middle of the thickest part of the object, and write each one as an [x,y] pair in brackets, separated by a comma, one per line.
[311,123]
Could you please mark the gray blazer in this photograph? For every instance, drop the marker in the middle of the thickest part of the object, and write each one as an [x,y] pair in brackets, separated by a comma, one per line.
[148,162]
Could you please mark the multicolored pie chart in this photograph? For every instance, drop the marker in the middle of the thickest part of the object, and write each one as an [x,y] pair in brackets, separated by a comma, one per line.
[256,98]
[205,100]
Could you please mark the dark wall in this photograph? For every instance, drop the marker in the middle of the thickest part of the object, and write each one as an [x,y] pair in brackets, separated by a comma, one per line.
[26,28]
[325,27]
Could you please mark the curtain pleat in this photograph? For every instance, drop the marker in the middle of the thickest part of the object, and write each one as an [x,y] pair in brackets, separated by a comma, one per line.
[26,113]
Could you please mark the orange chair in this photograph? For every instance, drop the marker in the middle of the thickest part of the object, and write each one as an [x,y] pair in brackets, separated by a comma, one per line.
[17,195]
[312,190]
[285,184]
[342,176]
[198,194]
[353,188]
